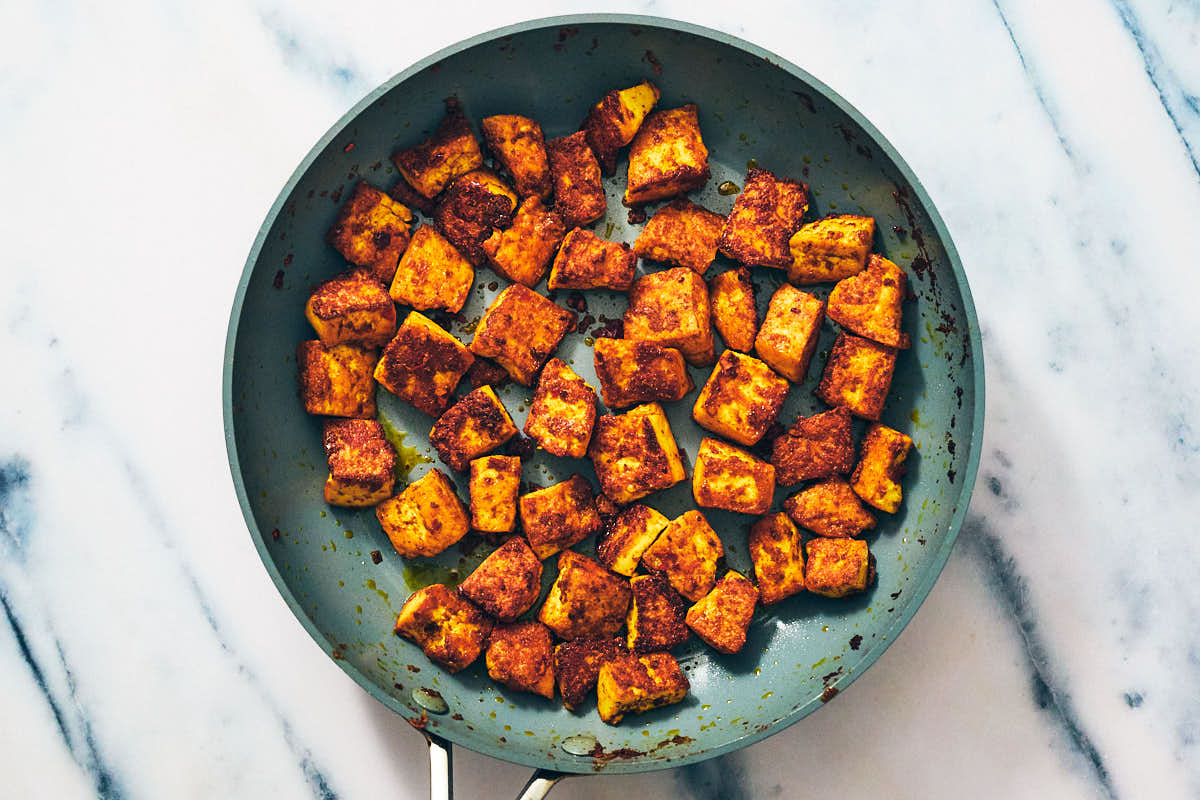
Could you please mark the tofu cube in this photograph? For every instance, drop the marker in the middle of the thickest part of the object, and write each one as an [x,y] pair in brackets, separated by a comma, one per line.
[681,233]
[507,583]
[336,381]
[426,518]
[635,454]
[371,230]
[830,249]
[559,516]
[819,446]
[870,303]
[764,217]
[633,683]
[858,375]
[520,330]
[626,537]
[632,372]
[444,625]
[789,333]
[577,664]
[585,261]
[667,156]
[472,209]
[520,656]
[563,411]
[741,399]
[876,479]
[522,252]
[578,194]
[734,313]
[830,508]
[353,308]
[671,308]
[656,615]
[476,424]
[728,477]
[687,551]
[586,600]
[423,364]
[838,567]
[520,146]
[778,557]
[362,464]
[612,123]
[494,484]
[722,617]
[486,373]
[453,150]
[432,273]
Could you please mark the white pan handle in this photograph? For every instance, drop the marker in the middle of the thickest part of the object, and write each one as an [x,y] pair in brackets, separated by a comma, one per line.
[441,773]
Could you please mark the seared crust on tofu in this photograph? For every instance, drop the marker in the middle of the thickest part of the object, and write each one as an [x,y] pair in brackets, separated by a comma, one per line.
[563,411]
[870,303]
[507,583]
[612,123]
[494,483]
[687,551]
[778,557]
[362,463]
[578,666]
[472,209]
[667,156]
[858,375]
[681,233]
[578,194]
[838,567]
[432,273]
[586,600]
[474,425]
[520,330]
[626,537]
[353,308]
[423,364]
[722,616]
[633,372]
[830,249]
[559,516]
[789,333]
[519,145]
[876,479]
[830,508]
[585,261]
[734,312]
[671,308]
[728,477]
[634,683]
[371,230]
[635,453]
[444,625]
[453,150]
[523,251]
[521,656]
[336,381]
[819,446]
[741,399]
[764,217]
[656,615]
[426,518]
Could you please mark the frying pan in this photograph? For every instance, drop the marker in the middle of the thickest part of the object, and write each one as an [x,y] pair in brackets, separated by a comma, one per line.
[754,107]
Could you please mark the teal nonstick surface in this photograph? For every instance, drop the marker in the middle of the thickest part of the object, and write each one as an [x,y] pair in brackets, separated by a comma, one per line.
[752,105]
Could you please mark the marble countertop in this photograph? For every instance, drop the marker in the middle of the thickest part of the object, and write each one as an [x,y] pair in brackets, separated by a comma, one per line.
[146,652]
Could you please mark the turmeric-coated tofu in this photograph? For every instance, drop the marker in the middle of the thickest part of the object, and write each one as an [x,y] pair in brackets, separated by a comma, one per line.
[476,424]
[612,123]
[362,463]
[559,516]
[520,330]
[728,477]
[472,209]
[520,146]
[667,157]
[789,333]
[444,625]
[507,583]
[858,375]
[585,261]
[626,537]
[563,411]
[876,479]
[778,557]
[520,655]
[336,381]
[819,446]
[633,683]
[830,249]
[426,518]
[577,664]
[453,150]
[353,308]
[830,508]
[838,567]
[423,364]
[432,273]
[687,551]
[683,234]
[578,194]
[671,308]
[586,600]
[371,230]
[741,399]
[634,454]
[764,217]
[523,251]
[870,303]
[722,617]
[656,615]
[734,313]
[632,372]
[494,484]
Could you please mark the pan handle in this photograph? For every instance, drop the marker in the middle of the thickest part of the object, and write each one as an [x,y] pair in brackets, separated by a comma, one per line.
[441,773]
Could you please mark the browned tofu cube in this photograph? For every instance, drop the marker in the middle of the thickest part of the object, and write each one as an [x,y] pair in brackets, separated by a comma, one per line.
[870,303]
[472,209]
[432,273]
[635,454]
[578,663]
[734,313]
[612,123]
[336,381]
[722,617]
[520,146]
[858,375]
[559,516]
[371,231]
[789,333]
[586,600]
[444,625]
[494,484]
[728,477]
[829,508]
[681,233]
[507,583]
[353,308]
[486,373]
[819,446]
[876,479]
[626,537]
[563,411]
[778,558]
[687,551]
[830,249]
[667,156]
[656,615]
[453,150]
[521,656]
[838,567]
[426,518]
[639,372]
[764,217]
[671,308]
[741,399]
[520,330]
[476,424]
[578,194]
[585,261]
[522,252]
[423,364]
[362,464]
[634,683]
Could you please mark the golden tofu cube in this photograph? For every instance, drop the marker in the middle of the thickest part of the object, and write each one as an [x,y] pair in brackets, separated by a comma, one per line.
[870,303]
[362,464]
[426,518]
[876,479]
[819,446]
[778,558]
[858,375]
[432,273]
[423,364]
[507,583]
[764,217]
[656,615]
[476,424]
[635,454]
[741,399]
[681,233]
[353,308]
[444,625]
[830,508]
[687,551]
[838,567]
[585,261]
[789,333]
[667,156]
[371,230]
[671,308]
[521,656]
[830,249]
[722,617]
[728,477]
[586,600]
[634,683]
[639,372]
[336,381]
[578,663]
[734,313]
[472,209]
[523,251]
[494,484]
[559,516]
[520,146]
[627,536]
[612,123]
[563,411]
[520,330]
[453,150]
[578,194]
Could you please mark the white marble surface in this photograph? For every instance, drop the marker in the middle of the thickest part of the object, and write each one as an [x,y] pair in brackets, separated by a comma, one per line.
[145,652]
